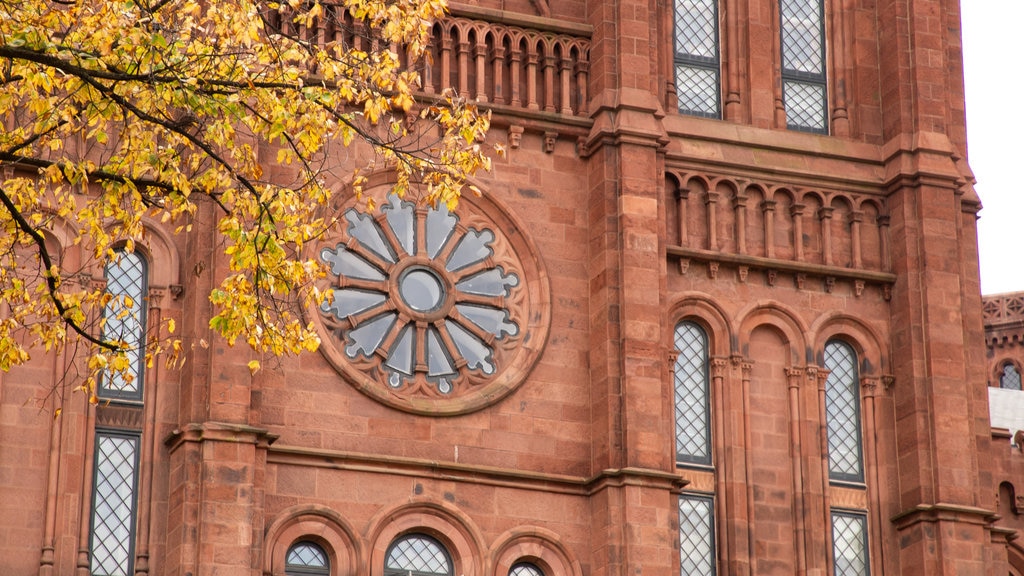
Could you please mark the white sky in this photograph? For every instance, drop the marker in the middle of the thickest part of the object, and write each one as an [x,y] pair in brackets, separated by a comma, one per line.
[994,72]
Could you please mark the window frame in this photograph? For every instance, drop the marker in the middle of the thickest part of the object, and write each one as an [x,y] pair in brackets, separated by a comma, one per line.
[709,521]
[401,572]
[855,418]
[698,62]
[791,76]
[691,459]
[299,570]
[133,513]
[1002,376]
[139,366]
[862,518]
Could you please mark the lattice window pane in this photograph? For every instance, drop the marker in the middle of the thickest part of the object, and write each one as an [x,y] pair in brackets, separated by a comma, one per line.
[805,106]
[802,38]
[697,28]
[697,89]
[421,555]
[525,569]
[693,436]
[696,536]
[842,413]
[126,279]
[306,558]
[113,510]
[1010,380]
[850,544]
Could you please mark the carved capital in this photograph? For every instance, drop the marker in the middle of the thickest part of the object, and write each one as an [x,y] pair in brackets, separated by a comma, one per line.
[797,210]
[768,206]
[825,212]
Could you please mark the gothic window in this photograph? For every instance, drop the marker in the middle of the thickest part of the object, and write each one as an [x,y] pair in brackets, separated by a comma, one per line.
[842,413]
[525,569]
[1010,378]
[693,432]
[417,555]
[850,543]
[124,319]
[306,558]
[112,546]
[696,535]
[697,60]
[804,92]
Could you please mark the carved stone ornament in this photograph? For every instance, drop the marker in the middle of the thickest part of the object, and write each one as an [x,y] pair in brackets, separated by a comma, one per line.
[433,312]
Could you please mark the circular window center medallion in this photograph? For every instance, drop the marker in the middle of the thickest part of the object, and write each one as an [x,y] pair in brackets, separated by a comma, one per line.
[430,311]
[421,290]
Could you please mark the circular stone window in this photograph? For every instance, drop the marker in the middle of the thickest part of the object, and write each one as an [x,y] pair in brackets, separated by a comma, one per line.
[433,312]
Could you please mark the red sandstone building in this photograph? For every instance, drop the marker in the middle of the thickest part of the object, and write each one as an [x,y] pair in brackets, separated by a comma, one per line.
[717,312]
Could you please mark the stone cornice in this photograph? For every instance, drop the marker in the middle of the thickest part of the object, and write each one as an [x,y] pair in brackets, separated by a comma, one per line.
[943,512]
[219,432]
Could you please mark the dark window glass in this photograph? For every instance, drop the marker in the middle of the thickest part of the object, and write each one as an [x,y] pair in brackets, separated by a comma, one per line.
[693,433]
[112,542]
[850,544]
[842,413]
[417,555]
[697,63]
[125,321]
[804,82]
[306,558]
[696,535]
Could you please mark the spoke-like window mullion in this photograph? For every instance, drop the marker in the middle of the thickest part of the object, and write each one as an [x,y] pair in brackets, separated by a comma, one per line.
[692,414]
[696,535]
[804,81]
[697,61]
[842,413]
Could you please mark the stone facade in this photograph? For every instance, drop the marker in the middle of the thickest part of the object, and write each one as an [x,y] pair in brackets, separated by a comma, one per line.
[554,442]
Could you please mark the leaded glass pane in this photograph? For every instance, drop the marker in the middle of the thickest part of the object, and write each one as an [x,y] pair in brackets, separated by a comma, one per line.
[306,558]
[1010,380]
[418,554]
[842,413]
[113,508]
[850,544]
[693,438]
[802,38]
[525,569]
[696,536]
[805,106]
[125,321]
[697,57]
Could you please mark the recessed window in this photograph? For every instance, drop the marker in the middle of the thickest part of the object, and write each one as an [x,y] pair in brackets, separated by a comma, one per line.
[850,544]
[525,569]
[1010,378]
[124,320]
[693,433]
[306,558]
[696,535]
[804,82]
[842,413]
[697,63]
[112,542]
[417,555]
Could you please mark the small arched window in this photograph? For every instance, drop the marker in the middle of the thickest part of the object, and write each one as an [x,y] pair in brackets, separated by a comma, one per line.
[525,569]
[417,555]
[1010,378]
[124,319]
[842,413]
[306,558]
[693,430]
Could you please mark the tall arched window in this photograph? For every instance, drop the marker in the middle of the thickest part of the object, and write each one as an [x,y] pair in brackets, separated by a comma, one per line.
[306,558]
[804,94]
[697,61]
[842,413]
[693,428]
[417,555]
[1010,378]
[125,320]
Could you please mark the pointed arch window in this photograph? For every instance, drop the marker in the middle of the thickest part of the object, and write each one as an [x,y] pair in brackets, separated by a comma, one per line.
[693,429]
[804,94]
[842,413]
[417,555]
[697,60]
[124,320]
[1010,378]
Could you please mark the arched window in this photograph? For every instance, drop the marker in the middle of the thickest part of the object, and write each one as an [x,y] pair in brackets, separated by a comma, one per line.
[525,569]
[697,60]
[306,558]
[693,430]
[842,413]
[804,95]
[125,320]
[1010,378]
[417,555]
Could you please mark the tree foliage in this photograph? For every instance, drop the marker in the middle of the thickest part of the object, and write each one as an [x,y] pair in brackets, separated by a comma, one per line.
[117,111]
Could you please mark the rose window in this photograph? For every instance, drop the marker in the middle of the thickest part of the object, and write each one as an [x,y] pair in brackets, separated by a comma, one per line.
[430,309]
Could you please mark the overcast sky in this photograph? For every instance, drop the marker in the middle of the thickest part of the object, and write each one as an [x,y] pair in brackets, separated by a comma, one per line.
[994,72]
